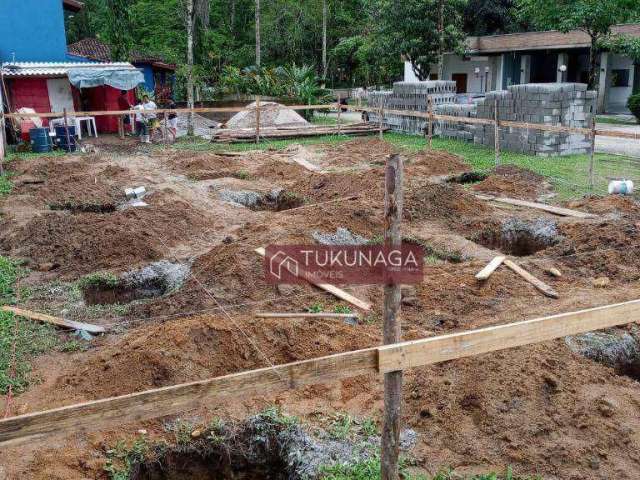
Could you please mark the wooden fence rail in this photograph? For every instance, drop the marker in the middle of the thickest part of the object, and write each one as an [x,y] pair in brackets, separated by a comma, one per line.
[175,399]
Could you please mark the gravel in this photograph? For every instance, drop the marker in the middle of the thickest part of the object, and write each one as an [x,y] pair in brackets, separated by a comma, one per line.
[342,237]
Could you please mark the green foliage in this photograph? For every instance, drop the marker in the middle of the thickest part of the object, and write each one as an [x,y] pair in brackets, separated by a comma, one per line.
[633,103]
[299,84]
[5,185]
[342,309]
[410,28]
[316,308]
[122,458]
[8,277]
[98,280]
[623,45]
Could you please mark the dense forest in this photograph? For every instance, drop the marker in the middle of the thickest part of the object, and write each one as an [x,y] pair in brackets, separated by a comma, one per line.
[345,42]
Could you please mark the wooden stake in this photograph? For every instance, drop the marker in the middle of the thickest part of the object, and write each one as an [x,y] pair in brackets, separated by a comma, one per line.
[339,112]
[305,315]
[257,119]
[593,148]
[430,128]
[392,330]
[66,131]
[381,118]
[491,267]
[497,134]
[164,128]
[61,322]
[536,282]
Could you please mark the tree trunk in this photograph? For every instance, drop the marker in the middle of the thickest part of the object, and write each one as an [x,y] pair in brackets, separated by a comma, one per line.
[190,24]
[232,20]
[258,46]
[593,67]
[325,15]
[440,39]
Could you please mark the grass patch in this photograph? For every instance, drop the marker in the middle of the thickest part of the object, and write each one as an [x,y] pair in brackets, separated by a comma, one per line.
[5,184]
[568,174]
[370,470]
[324,119]
[98,280]
[615,120]
[30,338]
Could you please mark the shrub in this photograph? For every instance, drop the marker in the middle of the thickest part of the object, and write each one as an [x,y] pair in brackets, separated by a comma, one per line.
[633,103]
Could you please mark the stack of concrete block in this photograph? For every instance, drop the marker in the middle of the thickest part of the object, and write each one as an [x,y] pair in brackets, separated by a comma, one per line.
[555,104]
[449,129]
[411,96]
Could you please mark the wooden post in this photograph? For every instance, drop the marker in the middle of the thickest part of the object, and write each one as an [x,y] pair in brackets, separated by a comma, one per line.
[591,154]
[164,128]
[257,119]
[497,134]
[430,128]
[380,122]
[66,131]
[339,112]
[392,330]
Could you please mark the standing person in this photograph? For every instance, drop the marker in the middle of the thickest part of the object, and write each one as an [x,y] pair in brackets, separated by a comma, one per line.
[172,127]
[150,116]
[123,104]
[141,123]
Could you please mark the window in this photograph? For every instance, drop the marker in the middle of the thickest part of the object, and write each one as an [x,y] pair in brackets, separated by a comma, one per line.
[619,78]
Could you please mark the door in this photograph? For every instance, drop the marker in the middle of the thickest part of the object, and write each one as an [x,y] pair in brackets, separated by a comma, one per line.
[461,82]
[636,79]
[60,96]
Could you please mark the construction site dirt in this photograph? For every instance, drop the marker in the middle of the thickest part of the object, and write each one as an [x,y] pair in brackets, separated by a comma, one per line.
[542,409]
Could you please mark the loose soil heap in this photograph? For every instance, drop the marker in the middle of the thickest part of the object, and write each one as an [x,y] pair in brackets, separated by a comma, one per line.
[513,181]
[271,115]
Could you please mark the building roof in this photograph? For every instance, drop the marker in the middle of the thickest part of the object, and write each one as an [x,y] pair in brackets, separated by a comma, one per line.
[55,69]
[94,49]
[73,5]
[552,39]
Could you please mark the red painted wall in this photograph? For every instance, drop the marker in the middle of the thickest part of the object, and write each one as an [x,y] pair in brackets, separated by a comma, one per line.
[105,98]
[30,93]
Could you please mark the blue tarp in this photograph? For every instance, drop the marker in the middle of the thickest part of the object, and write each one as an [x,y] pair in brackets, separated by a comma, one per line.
[120,78]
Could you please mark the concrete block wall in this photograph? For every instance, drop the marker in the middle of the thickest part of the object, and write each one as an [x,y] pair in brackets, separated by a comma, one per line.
[558,104]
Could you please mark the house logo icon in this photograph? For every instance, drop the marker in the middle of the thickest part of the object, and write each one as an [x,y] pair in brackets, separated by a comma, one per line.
[279,261]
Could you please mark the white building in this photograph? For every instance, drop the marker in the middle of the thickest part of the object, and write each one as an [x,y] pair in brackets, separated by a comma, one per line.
[496,61]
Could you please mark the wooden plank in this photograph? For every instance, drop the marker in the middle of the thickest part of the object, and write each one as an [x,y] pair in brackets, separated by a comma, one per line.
[536,282]
[60,322]
[305,315]
[341,294]
[475,342]
[490,268]
[176,399]
[565,212]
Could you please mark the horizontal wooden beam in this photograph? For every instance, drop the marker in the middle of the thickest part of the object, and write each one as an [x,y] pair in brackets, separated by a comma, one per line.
[176,399]
[99,113]
[305,315]
[60,322]
[563,212]
[476,342]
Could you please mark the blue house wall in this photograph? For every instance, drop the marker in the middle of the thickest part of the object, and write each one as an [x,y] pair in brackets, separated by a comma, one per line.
[149,80]
[33,30]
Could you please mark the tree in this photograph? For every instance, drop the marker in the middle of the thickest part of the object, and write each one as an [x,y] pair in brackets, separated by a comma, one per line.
[491,17]
[258,44]
[197,10]
[325,15]
[594,17]
[422,30]
[118,33]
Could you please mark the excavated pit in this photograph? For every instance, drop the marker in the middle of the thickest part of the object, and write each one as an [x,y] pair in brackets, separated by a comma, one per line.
[154,280]
[468,177]
[614,348]
[276,200]
[84,207]
[519,237]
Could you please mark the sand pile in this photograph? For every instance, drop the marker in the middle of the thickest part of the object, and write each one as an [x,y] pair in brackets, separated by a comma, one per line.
[272,115]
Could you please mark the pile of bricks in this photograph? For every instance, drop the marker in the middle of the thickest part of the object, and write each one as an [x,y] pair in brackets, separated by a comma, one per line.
[557,104]
[412,96]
